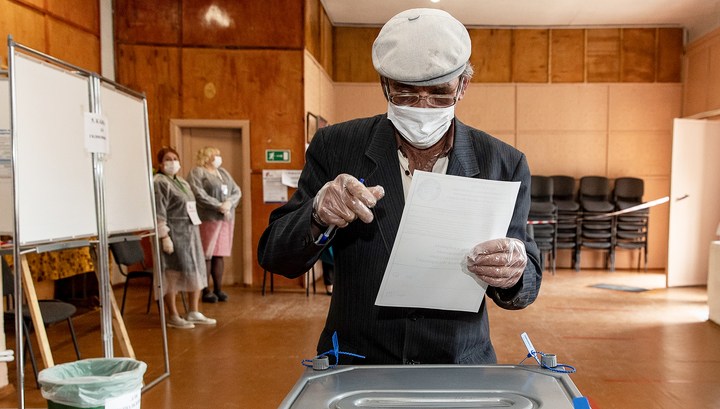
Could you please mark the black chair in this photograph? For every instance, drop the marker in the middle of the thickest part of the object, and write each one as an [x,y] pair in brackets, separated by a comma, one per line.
[568,210]
[597,232]
[632,228]
[542,208]
[307,281]
[52,311]
[126,253]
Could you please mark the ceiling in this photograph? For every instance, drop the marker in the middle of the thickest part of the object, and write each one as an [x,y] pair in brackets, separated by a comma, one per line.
[699,17]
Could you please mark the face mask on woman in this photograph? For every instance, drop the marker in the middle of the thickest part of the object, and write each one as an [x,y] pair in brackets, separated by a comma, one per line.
[217,162]
[171,167]
[422,127]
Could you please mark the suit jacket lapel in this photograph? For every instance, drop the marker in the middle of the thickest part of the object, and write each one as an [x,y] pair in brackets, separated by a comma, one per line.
[382,151]
[462,161]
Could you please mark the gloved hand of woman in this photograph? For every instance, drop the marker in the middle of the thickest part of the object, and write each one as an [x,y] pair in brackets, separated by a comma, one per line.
[345,199]
[499,262]
[167,245]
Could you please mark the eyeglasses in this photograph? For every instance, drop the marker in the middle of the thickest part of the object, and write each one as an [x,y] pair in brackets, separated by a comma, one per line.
[406,99]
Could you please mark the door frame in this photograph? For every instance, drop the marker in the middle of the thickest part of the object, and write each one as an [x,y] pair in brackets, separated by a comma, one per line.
[176,127]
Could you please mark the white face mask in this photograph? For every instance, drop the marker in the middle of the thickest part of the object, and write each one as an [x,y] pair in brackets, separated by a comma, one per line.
[171,167]
[422,127]
[217,162]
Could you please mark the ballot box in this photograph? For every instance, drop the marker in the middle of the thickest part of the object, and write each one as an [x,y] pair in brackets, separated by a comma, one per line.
[432,386]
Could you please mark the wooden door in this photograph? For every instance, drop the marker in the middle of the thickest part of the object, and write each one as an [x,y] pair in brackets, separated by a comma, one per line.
[228,141]
[694,200]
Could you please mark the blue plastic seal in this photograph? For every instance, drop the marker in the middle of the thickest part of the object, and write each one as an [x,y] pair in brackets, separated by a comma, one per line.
[581,403]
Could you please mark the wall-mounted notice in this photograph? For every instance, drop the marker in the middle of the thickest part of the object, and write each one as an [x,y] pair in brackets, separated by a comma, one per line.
[96,133]
[290,177]
[274,191]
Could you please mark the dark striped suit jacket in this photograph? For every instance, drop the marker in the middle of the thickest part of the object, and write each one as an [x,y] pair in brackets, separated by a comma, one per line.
[366,148]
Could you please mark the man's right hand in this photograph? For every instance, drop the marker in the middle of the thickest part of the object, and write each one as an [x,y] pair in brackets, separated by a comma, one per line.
[345,199]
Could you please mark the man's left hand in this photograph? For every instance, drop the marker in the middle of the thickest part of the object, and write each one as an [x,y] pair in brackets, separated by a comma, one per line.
[499,262]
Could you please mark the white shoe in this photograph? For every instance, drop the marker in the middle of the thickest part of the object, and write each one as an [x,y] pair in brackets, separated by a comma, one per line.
[175,321]
[195,317]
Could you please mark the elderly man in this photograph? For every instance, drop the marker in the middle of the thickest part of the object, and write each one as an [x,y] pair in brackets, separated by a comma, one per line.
[422,58]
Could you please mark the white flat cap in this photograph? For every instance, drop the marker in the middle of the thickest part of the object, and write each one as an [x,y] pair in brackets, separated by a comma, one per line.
[421,47]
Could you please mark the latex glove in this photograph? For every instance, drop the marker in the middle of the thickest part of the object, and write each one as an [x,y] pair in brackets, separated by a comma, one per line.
[167,245]
[225,207]
[345,199]
[499,262]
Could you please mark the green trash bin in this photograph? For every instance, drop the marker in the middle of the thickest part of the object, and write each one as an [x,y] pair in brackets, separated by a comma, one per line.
[99,383]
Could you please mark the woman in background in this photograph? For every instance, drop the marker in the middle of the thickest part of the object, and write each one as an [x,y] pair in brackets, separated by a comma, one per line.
[184,269]
[217,196]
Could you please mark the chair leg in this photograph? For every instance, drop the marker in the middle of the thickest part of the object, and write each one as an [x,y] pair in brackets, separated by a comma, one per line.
[29,349]
[264,281]
[313,279]
[577,259]
[152,282]
[74,338]
[122,308]
[307,284]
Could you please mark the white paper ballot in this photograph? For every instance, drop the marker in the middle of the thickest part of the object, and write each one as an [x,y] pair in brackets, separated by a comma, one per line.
[445,216]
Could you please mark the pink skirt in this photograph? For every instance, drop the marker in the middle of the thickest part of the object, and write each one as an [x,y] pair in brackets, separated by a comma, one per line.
[217,237]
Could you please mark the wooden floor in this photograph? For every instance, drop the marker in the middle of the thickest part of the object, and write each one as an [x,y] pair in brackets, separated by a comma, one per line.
[654,349]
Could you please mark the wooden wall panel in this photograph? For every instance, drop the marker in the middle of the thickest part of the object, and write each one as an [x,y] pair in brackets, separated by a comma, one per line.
[490,108]
[623,158]
[638,55]
[147,22]
[84,13]
[530,56]
[629,107]
[695,94]
[312,27]
[26,25]
[603,55]
[521,55]
[491,54]
[326,42]
[669,55]
[155,71]
[713,85]
[232,23]
[352,54]
[73,45]
[264,86]
[567,55]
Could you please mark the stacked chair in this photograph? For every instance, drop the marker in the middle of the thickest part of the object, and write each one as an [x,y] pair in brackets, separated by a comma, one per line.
[596,233]
[542,208]
[567,228]
[632,228]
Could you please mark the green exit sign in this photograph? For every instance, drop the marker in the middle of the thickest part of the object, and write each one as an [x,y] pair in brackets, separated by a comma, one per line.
[277,155]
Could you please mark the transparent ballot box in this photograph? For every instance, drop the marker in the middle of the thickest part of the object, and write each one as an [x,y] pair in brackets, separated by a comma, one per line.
[432,386]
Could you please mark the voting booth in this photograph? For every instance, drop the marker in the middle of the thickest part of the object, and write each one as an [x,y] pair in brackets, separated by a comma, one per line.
[436,386]
[75,171]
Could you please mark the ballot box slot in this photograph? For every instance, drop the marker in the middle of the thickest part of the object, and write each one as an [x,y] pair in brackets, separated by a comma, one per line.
[432,399]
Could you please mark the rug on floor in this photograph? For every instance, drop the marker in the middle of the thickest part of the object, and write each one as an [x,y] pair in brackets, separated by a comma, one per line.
[618,287]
